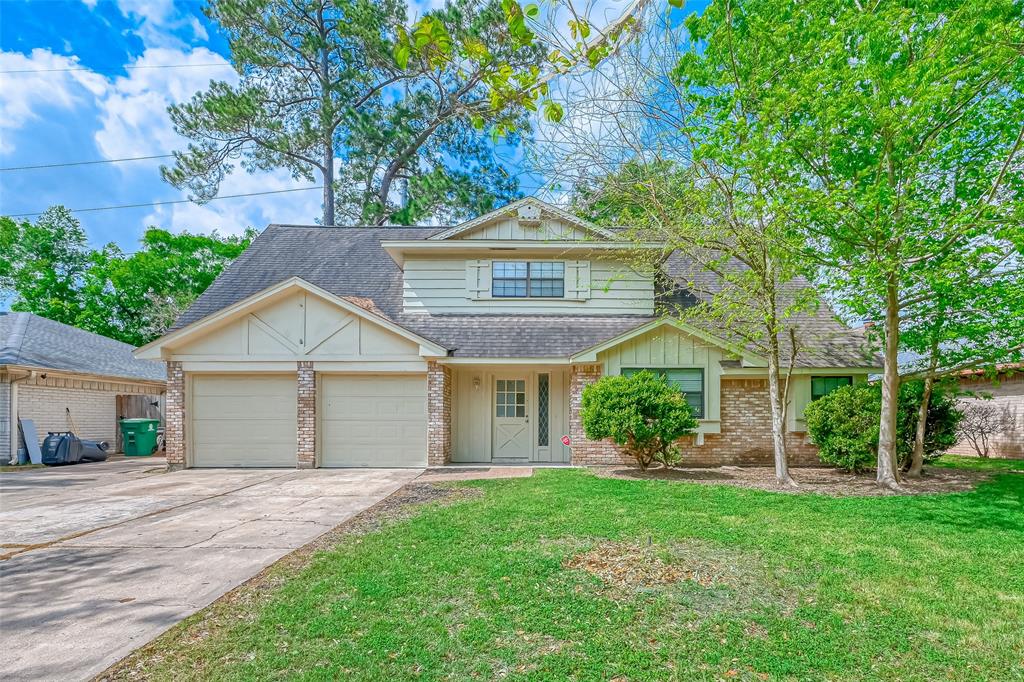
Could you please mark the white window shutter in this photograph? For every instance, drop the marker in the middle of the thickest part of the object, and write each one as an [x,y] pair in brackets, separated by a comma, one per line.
[577,279]
[478,279]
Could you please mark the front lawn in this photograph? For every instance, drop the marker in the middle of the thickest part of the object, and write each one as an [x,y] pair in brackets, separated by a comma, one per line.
[566,575]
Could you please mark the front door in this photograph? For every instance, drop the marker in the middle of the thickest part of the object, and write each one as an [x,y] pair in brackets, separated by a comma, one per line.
[511,418]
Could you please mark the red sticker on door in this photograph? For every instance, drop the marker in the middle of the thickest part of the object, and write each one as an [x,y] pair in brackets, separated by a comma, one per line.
[565,440]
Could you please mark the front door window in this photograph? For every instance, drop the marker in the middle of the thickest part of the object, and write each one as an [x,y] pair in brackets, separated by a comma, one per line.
[510,398]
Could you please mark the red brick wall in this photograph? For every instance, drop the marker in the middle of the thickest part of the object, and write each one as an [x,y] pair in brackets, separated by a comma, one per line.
[439,414]
[745,438]
[306,423]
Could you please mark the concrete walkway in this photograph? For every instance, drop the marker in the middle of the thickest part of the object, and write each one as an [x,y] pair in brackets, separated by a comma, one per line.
[102,558]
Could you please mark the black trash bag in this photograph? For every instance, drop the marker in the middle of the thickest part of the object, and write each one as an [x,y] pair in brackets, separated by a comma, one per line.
[94,450]
[61,447]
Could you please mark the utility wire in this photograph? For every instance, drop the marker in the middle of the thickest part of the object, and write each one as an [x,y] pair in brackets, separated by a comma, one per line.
[87,163]
[165,203]
[143,66]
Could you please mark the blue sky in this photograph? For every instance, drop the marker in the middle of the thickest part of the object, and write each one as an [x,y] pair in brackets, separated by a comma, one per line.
[103,110]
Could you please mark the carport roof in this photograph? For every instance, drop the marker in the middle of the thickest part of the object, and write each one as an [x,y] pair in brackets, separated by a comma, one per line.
[28,340]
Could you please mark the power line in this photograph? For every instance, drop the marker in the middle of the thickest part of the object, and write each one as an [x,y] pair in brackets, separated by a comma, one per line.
[165,203]
[87,163]
[143,66]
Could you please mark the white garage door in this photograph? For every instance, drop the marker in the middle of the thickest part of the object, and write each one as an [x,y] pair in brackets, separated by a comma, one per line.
[243,421]
[373,421]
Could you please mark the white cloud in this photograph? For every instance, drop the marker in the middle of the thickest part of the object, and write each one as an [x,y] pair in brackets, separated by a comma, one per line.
[126,116]
[38,86]
[134,119]
[159,20]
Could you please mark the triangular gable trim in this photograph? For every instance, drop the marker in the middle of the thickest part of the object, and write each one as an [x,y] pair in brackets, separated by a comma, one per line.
[153,349]
[590,354]
[508,209]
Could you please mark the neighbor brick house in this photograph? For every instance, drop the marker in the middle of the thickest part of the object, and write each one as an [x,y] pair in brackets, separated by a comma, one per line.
[324,346]
[1004,391]
[48,369]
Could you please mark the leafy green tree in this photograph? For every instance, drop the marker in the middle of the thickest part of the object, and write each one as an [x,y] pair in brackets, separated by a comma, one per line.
[673,162]
[44,264]
[134,297]
[970,315]
[894,132]
[320,81]
[641,413]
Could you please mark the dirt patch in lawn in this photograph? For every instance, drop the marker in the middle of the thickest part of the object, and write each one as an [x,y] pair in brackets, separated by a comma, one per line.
[243,602]
[696,577]
[636,565]
[820,480]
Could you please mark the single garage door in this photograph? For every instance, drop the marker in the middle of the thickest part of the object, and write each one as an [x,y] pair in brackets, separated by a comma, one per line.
[243,420]
[373,421]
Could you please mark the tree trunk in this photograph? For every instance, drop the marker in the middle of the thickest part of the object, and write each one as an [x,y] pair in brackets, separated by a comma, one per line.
[890,390]
[917,463]
[775,400]
[328,142]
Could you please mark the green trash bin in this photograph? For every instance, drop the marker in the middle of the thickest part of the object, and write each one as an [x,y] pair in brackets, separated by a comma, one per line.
[139,436]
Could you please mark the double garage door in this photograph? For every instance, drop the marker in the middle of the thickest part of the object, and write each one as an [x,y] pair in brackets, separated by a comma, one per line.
[364,420]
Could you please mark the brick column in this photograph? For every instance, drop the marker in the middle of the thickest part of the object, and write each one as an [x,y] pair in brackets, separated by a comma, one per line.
[439,414]
[174,416]
[306,423]
[587,451]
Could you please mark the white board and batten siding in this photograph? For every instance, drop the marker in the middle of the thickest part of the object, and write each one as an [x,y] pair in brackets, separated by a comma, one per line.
[301,326]
[510,228]
[463,286]
[666,347]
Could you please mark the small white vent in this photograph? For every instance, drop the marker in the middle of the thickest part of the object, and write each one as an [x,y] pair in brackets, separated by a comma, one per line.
[529,215]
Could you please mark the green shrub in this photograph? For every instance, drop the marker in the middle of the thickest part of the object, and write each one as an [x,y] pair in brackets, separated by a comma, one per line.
[844,424]
[641,413]
[940,426]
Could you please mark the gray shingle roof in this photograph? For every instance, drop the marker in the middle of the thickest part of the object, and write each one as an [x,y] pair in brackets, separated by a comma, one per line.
[349,261]
[33,341]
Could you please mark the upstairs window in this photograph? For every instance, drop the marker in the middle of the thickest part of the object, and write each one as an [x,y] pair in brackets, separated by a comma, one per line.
[521,279]
[822,386]
[690,382]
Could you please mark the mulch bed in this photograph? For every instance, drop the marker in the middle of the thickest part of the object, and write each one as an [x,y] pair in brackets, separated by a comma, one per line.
[239,603]
[820,480]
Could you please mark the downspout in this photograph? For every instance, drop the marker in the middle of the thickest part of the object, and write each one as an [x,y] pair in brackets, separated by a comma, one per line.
[15,424]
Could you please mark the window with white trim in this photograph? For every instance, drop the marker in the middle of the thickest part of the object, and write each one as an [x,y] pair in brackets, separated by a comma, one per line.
[523,279]
[689,381]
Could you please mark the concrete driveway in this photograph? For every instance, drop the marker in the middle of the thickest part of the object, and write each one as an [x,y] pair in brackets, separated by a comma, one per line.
[102,558]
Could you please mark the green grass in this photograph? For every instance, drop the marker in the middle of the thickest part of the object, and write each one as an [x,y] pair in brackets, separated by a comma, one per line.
[805,587]
[959,462]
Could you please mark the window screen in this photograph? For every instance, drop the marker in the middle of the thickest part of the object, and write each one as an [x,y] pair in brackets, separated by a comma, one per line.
[690,381]
[519,279]
[822,386]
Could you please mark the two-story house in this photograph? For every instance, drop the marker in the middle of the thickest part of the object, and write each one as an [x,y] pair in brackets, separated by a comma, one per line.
[390,347]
